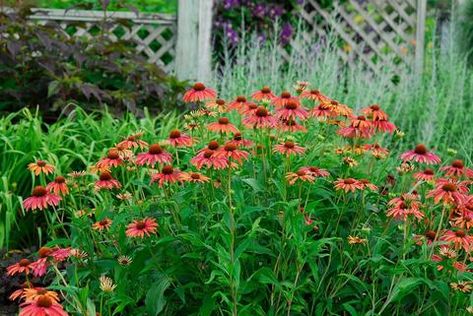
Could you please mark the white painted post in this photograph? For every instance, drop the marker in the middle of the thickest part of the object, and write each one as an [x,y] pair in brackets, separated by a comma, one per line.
[420,35]
[193,48]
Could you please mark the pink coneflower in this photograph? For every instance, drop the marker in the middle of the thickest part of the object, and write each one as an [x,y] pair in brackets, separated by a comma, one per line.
[41,199]
[223,125]
[289,148]
[106,181]
[367,184]
[457,169]
[219,105]
[291,126]
[194,177]
[384,126]
[449,192]
[179,139]
[462,217]
[42,306]
[348,185]
[374,113]
[459,238]
[264,94]
[58,186]
[282,100]
[239,104]
[359,128]
[112,160]
[316,172]
[60,254]
[402,210]
[140,228]
[167,175]
[249,109]
[39,267]
[22,266]
[291,110]
[103,224]
[155,154]
[314,95]
[323,110]
[240,141]
[133,141]
[426,175]
[199,93]
[208,158]
[428,238]
[40,166]
[300,175]
[260,119]
[421,154]
[231,151]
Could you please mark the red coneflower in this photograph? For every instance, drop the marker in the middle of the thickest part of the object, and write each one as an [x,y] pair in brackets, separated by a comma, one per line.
[348,185]
[208,158]
[106,181]
[291,110]
[300,175]
[179,139]
[359,128]
[426,175]
[40,199]
[112,160]
[218,105]
[291,126]
[239,104]
[384,126]
[140,228]
[282,100]
[167,175]
[156,154]
[459,238]
[316,172]
[194,177]
[223,125]
[133,141]
[240,141]
[289,148]
[40,166]
[323,110]
[314,95]
[261,118]
[422,155]
[231,151]
[457,169]
[103,224]
[34,293]
[264,94]
[22,266]
[448,191]
[199,92]
[374,113]
[58,186]
[42,306]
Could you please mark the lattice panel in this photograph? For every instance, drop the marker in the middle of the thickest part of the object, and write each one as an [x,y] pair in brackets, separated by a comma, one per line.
[155,35]
[377,32]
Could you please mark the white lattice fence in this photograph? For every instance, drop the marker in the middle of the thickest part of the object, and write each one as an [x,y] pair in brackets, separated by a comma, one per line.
[155,35]
[378,32]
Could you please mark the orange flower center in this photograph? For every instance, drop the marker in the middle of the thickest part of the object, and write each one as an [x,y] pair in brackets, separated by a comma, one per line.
[44,301]
[44,252]
[213,145]
[349,181]
[39,191]
[430,234]
[105,176]
[208,153]
[195,176]
[457,164]
[460,233]
[41,163]
[24,263]
[289,145]
[175,134]
[420,149]
[429,172]
[199,86]
[220,102]
[241,99]
[230,147]
[375,107]
[223,120]
[291,105]
[285,95]
[155,149]
[266,89]
[140,225]
[261,112]
[168,170]
[113,154]
[449,187]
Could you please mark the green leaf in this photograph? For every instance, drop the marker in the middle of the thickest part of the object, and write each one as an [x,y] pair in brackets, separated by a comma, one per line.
[53,88]
[155,300]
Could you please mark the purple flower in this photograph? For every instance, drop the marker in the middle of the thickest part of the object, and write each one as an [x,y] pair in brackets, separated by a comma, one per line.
[259,10]
[231,34]
[228,4]
[286,34]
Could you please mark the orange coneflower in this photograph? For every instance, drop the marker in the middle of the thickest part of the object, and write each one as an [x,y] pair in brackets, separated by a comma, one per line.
[133,141]
[462,286]
[426,175]
[449,191]
[367,184]
[240,141]
[41,199]
[58,186]
[42,306]
[314,95]
[282,100]
[223,125]
[249,109]
[140,228]
[300,175]
[421,154]
[34,293]
[359,128]
[106,181]
[199,92]
[22,266]
[194,177]
[155,154]
[323,110]
[459,238]
[167,175]
[289,148]
[77,174]
[239,104]
[291,110]
[261,118]
[208,158]
[291,126]
[103,224]
[219,105]
[112,160]
[348,185]
[402,210]
[231,151]
[457,169]
[40,166]
[462,218]
[264,94]
[179,139]
[374,113]
[376,150]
